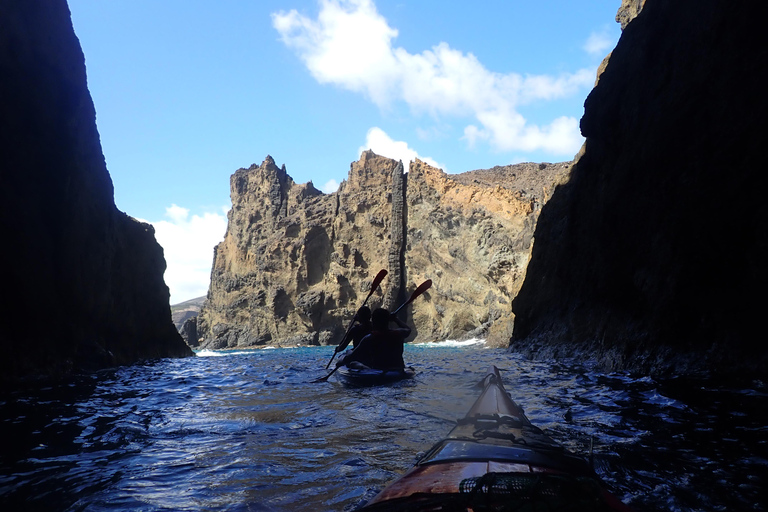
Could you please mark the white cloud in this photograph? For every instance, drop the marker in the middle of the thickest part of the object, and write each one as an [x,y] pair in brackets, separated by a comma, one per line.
[351,45]
[330,186]
[510,133]
[382,144]
[188,247]
[177,213]
[599,43]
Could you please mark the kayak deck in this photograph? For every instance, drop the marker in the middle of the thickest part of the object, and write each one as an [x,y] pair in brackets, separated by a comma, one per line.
[371,377]
[495,459]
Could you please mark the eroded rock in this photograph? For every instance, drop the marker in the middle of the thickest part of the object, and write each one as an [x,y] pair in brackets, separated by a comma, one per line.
[296,264]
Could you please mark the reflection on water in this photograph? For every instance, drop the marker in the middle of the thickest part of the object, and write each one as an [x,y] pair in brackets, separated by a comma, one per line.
[249,431]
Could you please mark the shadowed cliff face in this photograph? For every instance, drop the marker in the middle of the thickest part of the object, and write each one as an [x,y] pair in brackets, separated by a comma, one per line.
[296,264]
[83,282]
[653,256]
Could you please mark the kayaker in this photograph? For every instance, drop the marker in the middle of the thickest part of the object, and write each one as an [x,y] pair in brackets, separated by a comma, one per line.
[361,329]
[382,349]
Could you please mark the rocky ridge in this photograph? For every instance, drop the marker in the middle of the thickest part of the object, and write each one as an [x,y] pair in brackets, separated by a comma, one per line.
[183,311]
[295,264]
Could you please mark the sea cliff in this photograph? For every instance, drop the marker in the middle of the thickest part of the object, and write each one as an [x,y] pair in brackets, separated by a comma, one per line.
[83,282]
[295,263]
[651,256]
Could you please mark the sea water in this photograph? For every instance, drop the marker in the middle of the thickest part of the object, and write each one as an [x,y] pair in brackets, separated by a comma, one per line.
[250,431]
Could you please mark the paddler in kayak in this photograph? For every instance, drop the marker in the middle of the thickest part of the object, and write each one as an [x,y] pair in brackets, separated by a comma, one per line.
[382,349]
[361,329]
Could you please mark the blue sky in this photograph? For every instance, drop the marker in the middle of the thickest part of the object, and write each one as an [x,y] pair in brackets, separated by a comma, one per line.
[188,91]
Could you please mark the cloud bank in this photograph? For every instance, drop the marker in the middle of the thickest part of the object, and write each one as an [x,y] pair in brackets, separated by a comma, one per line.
[188,244]
[351,45]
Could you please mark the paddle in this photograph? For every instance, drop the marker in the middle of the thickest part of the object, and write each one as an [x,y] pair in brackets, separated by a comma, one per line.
[345,341]
[418,291]
[323,379]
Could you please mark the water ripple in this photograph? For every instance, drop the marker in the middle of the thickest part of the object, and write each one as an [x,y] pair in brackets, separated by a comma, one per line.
[248,431]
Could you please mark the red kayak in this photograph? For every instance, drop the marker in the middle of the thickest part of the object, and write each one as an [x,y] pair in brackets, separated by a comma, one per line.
[496,460]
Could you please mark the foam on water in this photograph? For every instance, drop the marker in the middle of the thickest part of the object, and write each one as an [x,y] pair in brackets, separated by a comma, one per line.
[220,353]
[453,343]
[472,342]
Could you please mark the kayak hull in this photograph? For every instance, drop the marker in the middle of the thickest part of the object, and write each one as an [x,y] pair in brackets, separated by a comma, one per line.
[495,459]
[370,377]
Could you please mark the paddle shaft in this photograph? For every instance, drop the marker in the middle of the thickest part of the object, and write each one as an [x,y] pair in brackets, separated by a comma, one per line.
[323,379]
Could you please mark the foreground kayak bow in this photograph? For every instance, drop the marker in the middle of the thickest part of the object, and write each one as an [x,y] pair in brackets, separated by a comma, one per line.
[496,460]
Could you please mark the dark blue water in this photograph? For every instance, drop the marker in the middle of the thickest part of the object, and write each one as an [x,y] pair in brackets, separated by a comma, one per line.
[249,432]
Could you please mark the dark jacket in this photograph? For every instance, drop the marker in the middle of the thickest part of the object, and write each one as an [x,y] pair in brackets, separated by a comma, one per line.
[382,350]
[359,331]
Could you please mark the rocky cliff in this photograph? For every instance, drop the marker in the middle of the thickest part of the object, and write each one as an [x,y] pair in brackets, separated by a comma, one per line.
[295,264]
[652,255]
[83,281]
[471,234]
[186,310]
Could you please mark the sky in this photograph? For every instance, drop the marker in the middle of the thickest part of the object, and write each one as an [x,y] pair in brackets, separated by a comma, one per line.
[188,91]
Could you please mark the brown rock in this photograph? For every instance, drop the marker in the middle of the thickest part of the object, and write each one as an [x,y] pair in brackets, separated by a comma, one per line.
[471,234]
[295,264]
[628,11]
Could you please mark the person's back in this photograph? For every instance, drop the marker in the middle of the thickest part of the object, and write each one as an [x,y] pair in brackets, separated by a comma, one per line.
[382,349]
[363,328]
[388,351]
[388,342]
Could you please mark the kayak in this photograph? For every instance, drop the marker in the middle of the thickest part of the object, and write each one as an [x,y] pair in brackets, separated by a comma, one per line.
[371,377]
[493,460]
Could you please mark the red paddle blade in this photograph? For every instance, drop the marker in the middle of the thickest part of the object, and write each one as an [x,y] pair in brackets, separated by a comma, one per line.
[378,279]
[422,288]
[418,291]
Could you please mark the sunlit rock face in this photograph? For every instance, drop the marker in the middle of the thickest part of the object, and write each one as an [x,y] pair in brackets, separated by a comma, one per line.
[83,282]
[471,234]
[628,11]
[653,255]
[296,264]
